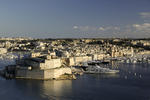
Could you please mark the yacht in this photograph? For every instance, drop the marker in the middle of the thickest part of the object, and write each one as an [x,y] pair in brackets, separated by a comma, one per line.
[98,69]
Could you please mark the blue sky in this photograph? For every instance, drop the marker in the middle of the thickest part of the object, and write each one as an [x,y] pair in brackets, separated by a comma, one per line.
[74,18]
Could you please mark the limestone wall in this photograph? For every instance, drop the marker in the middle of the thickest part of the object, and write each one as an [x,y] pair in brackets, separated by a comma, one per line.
[30,74]
[55,73]
[78,60]
[3,50]
[71,61]
[101,56]
[52,63]
[35,54]
[144,52]
[42,74]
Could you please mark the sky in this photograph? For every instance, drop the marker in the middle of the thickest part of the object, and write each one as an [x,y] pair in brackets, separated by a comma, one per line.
[75,18]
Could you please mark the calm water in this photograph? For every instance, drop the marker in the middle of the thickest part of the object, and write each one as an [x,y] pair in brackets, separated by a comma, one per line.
[132,83]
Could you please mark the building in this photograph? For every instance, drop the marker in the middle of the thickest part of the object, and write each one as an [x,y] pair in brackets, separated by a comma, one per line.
[3,50]
[40,68]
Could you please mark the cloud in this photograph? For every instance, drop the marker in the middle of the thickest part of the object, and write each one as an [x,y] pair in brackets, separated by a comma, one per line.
[142,27]
[101,28]
[93,29]
[82,28]
[131,30]
[145,14]
[75,27]
[108,28]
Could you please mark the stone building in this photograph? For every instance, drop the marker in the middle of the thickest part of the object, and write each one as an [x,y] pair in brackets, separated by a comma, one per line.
[3,50]
[40,68]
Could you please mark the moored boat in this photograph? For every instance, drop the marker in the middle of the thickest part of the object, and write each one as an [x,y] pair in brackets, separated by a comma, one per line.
[99,70]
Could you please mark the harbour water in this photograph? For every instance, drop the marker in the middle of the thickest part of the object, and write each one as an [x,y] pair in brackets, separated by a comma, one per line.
[131,83]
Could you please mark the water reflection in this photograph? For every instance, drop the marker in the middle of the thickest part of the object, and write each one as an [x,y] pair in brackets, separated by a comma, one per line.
[114,64]
[131,83]
[51,90]
[59,89]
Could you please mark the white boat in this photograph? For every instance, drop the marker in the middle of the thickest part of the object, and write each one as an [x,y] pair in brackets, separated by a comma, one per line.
[100,70]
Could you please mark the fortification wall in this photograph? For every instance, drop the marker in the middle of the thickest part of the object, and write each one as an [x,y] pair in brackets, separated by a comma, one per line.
[55,73]
[42,74]
[78,60]
[53,63]
[30,74]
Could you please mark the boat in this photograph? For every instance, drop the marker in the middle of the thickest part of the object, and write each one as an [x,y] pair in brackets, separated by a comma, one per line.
[99,70]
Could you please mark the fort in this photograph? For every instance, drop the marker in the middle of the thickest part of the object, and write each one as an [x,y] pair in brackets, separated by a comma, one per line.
[37,68]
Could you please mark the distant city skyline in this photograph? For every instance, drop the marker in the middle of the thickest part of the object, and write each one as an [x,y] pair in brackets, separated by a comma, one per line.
[75,18]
